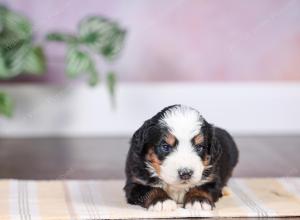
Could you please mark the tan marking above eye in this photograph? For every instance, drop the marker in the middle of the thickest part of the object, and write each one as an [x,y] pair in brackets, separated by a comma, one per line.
[170,139]
[198,139]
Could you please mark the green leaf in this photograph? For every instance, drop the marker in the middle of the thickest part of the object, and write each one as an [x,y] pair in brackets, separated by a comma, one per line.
[79,62]
[111,82]
[94,76]
[9,40]
[102,35]
[35,62]
[17,23]
[61,37]
[15,29]
[92,29]
[6,105]
[113,45]
[2,12]
[22,59]
[14,60]
[4,72]
[17,55]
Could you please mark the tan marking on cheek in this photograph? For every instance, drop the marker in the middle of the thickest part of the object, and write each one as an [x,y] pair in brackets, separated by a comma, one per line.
[198,139]
[170,139]
[154,161]
[206,161]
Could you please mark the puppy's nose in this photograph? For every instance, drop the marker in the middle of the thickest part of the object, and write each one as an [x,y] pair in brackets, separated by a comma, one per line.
[185,173]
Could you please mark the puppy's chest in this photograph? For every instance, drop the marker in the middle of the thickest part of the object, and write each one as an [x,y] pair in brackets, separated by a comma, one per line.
[177,194]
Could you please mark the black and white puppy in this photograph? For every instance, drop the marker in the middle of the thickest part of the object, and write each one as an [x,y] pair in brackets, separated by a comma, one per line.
[176,157]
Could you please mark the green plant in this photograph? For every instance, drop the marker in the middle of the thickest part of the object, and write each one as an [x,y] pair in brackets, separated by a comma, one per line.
[95,36]
[5,104]
[18,54]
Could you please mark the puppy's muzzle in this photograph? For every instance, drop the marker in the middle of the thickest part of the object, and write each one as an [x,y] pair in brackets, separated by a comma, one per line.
[185,173]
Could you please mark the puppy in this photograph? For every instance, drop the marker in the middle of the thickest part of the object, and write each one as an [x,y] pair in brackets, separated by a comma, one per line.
[176,157]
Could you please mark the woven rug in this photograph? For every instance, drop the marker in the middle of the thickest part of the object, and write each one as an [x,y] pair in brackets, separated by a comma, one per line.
[59,200]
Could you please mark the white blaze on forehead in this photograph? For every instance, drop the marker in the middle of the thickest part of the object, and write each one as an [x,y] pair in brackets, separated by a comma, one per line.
[183,122]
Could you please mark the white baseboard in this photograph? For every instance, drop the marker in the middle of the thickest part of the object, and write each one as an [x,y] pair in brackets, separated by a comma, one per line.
[78,110]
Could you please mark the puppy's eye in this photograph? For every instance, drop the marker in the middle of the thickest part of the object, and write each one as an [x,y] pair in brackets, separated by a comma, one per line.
[165,148]
[199,148]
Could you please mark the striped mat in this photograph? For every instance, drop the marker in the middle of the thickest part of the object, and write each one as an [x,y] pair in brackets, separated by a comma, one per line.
[59,200]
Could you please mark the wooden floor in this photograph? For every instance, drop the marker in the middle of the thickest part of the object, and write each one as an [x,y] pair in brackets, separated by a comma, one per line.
[104,158]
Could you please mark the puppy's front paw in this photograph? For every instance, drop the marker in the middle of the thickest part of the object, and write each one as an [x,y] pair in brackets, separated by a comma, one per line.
[199,205]
[199,200]
[166,205]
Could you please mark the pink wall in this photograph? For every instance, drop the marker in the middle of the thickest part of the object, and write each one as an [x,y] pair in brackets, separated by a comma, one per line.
[192,40]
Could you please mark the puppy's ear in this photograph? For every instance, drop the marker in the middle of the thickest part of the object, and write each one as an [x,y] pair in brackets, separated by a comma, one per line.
[148,134]
[214,147]
[145,136]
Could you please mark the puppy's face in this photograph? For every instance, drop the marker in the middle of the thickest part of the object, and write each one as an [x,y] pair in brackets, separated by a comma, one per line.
[180,156]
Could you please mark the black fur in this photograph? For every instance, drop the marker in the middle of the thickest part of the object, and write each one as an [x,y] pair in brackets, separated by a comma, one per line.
[218,146]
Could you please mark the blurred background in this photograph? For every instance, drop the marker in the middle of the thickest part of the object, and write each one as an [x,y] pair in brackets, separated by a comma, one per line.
[103,67]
